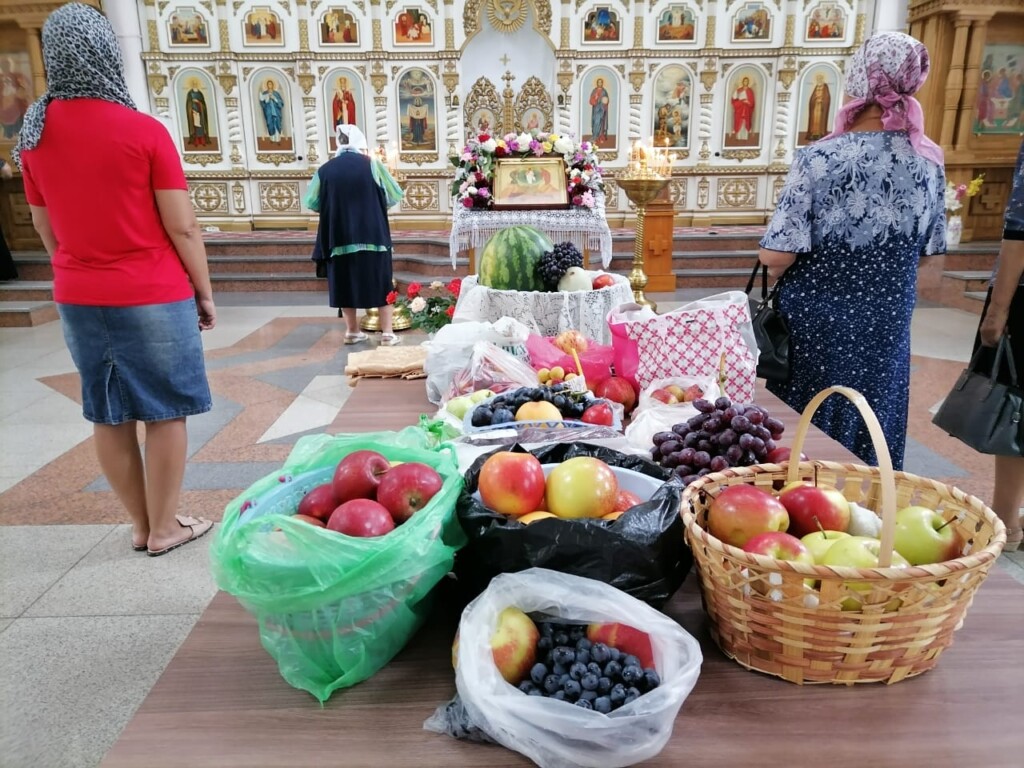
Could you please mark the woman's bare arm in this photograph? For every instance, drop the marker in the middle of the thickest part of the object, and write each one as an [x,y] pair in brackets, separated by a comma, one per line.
[776,261]
[179,220]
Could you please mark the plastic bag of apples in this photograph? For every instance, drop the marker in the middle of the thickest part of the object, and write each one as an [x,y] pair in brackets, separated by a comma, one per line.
[501,647]
[665,402]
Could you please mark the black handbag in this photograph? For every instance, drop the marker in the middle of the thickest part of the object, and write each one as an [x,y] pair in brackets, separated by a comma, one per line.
[984,413]
[770,329]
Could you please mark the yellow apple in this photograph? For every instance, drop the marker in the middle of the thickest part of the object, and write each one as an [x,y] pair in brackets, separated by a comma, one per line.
[538,411]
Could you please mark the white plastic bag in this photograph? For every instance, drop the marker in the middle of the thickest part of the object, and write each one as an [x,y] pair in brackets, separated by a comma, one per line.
[552,733]
[652,416]
[452,347]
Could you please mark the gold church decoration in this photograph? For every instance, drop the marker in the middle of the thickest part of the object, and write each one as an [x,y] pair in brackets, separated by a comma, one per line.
[507,16]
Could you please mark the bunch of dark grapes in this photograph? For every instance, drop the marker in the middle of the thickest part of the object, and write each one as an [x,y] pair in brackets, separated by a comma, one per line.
[590,675]
[553,264]
[720,436]
[502,409]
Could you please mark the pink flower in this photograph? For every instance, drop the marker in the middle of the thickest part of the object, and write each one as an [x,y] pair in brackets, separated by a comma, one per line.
[588,199]
[577,199]
[467,202]
[484,192]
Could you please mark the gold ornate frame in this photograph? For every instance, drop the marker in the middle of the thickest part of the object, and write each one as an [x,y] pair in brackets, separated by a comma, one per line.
[519,183]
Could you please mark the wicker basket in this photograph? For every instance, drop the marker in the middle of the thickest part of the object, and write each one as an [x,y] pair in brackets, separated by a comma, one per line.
[854,625]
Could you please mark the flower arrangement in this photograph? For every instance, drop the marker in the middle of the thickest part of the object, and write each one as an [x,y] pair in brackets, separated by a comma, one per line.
[431,308]
[956,193]
[475,166]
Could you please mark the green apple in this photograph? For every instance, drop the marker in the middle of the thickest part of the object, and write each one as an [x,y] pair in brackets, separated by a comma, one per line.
[860,552]
[820,542]
[458,406]
[480,395]
[923,537]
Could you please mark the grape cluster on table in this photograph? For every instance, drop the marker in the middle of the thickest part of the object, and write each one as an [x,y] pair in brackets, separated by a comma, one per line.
[502,409]
[552,265]
[721,435]
[590,675]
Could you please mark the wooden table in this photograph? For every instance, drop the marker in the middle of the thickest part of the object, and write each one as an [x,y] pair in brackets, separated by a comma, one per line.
[221,701]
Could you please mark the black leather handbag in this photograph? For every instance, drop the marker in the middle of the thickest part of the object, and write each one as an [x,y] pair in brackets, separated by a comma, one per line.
[770,329]
[984,413]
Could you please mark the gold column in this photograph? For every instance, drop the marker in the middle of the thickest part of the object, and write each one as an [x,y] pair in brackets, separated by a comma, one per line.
[972,75]
[955,80]
[35,53]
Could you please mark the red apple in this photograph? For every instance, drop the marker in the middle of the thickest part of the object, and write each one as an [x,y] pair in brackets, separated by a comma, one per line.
[740,512]
[514,645]
[407,488]
[626,500]
[618,390]
[583,486]
[314,521]
[664,396]
[512,483]
[361,517]
[599,413]
[627,639]
[692,392]
[319,502]
[781,454]
[812,508]
[781,546]
[603,280]
[358,475]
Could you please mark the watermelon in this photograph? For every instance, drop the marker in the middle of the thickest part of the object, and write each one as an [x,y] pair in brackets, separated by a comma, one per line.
[509,259]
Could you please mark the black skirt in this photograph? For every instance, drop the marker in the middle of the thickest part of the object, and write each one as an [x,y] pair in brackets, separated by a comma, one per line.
[1015,326]
[7,269]
[359,280]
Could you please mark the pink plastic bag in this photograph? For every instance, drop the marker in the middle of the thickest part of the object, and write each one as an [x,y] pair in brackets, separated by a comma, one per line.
[596,361]
[625,354]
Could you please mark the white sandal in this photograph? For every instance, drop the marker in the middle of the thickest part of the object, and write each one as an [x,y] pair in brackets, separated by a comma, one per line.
[389,340]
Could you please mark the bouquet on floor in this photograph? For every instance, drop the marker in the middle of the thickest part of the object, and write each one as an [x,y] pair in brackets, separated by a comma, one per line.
[955,193]
[429,308]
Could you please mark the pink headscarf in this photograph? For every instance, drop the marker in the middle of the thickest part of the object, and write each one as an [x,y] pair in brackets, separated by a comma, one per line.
[887,70]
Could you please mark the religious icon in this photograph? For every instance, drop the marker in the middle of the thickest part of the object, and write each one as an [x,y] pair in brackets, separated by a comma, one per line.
[752,22]
[483,121]
[602,25]
[263,27]
[412,26]
[1000,104]
[676,24]
[827,22]
[200,128]
[186,26]
[671,107]
[817,104]
[534,182]
[418,113]
[15,92]
[344,95]
[600,112]
[338,27]
[273,121]
[743,121]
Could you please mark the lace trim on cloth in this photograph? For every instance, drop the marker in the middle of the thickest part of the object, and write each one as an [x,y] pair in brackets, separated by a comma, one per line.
[586,228]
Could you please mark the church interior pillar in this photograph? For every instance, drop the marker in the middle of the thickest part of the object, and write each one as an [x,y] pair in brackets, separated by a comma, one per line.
[124,18]
[972,76]
[955,80]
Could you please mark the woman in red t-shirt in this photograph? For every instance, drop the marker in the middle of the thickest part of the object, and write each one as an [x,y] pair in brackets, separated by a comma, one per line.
[109,200]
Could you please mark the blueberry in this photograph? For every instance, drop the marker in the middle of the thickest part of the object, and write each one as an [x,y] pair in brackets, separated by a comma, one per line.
[604,684]
[559,669]
[572,688]
[589,681]
[552,683]
[630,698]
[558,695]
[603,705]
[632,673]
[584,704]
[583,644]
[651,679]
[599,652]
[562,679]
[544,644]
[577,633]
[616,654]
[526,686]
[577,671]
[583,655]
[535,692]
[562,638]
[632,691]
[590,696]
[549,658]
[564,654]
[547,629]
[594,668]
[617,693]
[538,672]
[613,669]
[631,661]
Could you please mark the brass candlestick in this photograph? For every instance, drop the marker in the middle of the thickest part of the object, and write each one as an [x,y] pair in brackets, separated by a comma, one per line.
[400,320]
[641,187]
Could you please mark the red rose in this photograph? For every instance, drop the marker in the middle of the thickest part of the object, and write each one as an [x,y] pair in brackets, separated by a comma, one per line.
[480,178]
[467,202]
[483,137]
[413,290]
[450,311]
[500,152]
[455,286]
[577,200]
[392,297]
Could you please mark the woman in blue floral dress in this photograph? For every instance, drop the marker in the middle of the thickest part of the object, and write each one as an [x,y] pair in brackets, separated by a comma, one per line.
[859,209]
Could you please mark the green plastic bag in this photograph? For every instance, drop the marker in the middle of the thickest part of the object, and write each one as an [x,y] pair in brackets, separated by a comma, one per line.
[333,609]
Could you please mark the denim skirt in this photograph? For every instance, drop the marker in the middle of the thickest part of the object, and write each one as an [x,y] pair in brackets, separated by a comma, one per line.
[142,363]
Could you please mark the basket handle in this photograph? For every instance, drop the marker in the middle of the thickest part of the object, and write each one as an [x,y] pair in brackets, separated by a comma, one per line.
[888,478]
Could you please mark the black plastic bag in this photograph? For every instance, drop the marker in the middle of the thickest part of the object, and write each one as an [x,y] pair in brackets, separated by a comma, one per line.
[642,553]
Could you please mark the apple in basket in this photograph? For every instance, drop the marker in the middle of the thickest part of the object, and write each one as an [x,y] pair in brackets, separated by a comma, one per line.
[407,488]
[514,644]
[319,502]
[512,483]
[860,552]
[812,508]
[741,512]
[923,536]
[361,517]
[358,475]
[819,542]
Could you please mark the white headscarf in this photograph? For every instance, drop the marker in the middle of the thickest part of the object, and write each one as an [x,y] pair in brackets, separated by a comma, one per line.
[350,139]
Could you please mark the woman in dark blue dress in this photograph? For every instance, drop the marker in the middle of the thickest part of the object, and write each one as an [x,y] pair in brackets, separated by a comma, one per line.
[859,209]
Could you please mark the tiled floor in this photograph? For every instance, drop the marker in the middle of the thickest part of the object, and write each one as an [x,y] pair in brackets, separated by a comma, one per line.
[87,626]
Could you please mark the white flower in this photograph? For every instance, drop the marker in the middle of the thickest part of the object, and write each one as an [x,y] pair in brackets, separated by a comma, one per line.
[436,285]
[470,190]
[564,146]
[418,304]
[489,146]
[523,140]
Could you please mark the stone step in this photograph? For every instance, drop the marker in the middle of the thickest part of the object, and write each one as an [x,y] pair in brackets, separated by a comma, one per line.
[26,290]
[26,314]
[955,284]
[268,281]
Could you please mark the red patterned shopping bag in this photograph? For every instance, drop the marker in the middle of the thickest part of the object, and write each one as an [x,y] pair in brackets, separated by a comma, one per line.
[709,337]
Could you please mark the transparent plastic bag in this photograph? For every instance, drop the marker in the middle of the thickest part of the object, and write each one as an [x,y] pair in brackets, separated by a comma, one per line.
[451,349]
[333,609]
[552,733]
[652,416]
[490,368]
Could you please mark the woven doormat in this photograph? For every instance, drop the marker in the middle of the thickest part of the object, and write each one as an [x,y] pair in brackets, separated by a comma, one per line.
[387,363]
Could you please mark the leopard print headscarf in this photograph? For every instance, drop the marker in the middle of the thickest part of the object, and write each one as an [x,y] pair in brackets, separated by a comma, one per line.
[83,61]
